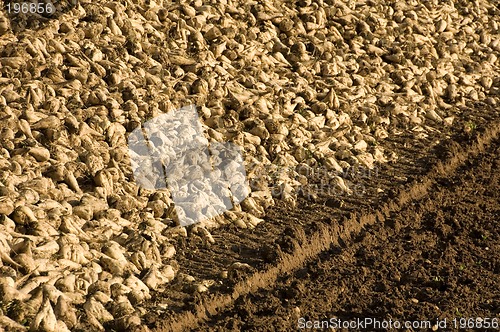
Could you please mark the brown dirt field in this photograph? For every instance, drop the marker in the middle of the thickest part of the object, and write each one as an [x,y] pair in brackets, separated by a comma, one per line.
[425,248]
[436,259]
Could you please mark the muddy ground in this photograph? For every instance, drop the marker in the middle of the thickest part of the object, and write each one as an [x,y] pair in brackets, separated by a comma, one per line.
[412,243]
[437,259]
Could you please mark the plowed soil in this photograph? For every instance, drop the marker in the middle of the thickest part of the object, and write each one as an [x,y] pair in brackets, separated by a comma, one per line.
[436,259]
[418,240]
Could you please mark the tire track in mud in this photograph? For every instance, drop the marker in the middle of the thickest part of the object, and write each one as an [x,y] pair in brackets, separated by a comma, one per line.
[326,235]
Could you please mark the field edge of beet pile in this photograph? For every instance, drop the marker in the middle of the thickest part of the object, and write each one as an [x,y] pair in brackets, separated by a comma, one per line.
[255,259]
[433,263]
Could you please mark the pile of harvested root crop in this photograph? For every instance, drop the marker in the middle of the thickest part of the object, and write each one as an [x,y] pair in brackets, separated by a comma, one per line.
[298,85]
